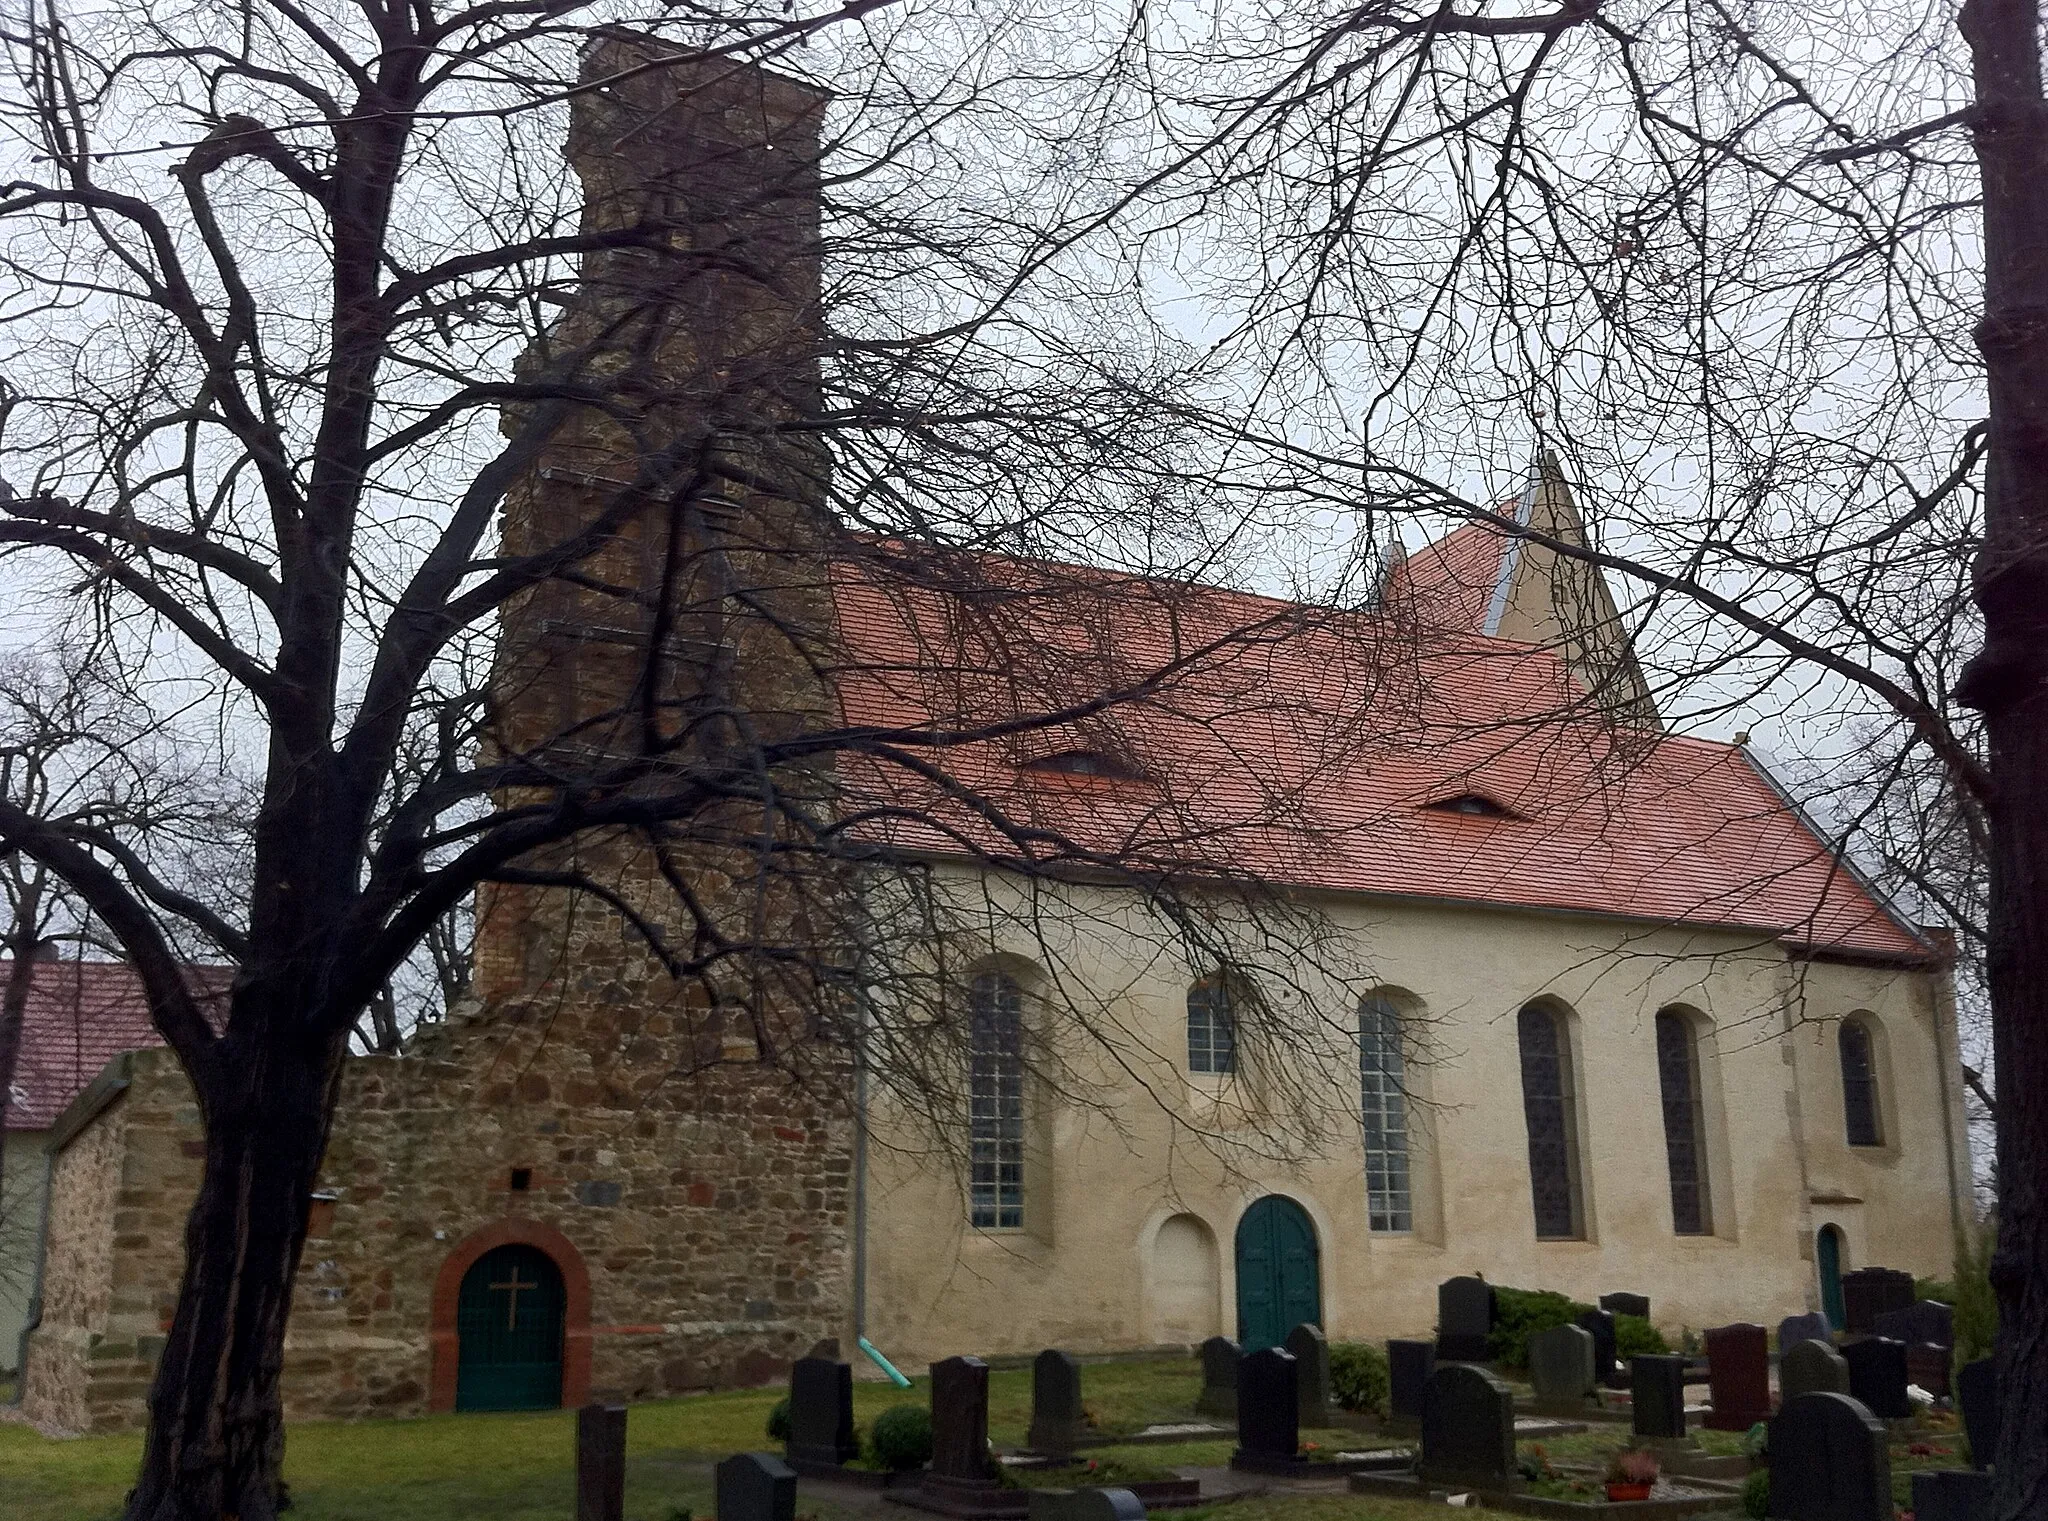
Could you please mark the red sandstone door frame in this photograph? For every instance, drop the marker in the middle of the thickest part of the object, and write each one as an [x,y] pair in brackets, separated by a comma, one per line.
[441,1334]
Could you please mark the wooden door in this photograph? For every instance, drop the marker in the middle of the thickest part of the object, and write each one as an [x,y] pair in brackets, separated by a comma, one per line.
[508,1325]
[1279,1277]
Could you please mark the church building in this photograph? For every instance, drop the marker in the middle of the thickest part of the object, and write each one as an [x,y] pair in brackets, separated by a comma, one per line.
[1466,966]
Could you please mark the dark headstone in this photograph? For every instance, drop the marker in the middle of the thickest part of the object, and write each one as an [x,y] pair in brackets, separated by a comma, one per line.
[1084,1505]
[1794,1329]
[601,1463]
[1951,1494]
[1812,1367]
[1877,1376]
[1829,1461]
[1657,1391]
[1599,1324]
[821,1413]
[959,1421]
[1312,1376]
[1927,1365]
[1922,1320]
[755,1486]
[1561,1369]
[1977,1395]
[1220,1358]
[1870,1292]
[1057,1424]
[1268,1404]
[1468,1430]
[1409,1365]
[1627,1304]
[1738,1376]
[1464,1320]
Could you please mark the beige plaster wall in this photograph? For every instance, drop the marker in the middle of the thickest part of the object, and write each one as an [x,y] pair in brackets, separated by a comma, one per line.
[23,1180]
[1112,1172]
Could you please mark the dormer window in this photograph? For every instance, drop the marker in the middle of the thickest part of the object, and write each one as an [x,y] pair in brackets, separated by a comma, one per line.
[1086,763]
[1474,805]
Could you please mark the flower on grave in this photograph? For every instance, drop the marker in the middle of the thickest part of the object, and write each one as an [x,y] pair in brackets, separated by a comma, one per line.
[1630,1466]
[1311,1446]
[1093,1464]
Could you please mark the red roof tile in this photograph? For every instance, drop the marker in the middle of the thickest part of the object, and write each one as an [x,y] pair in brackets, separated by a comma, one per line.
[80,1015]
[1300,746]
[1450,583]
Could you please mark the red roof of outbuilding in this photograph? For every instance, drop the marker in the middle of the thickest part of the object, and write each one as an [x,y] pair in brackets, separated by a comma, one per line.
[1302,746]
[80,1016]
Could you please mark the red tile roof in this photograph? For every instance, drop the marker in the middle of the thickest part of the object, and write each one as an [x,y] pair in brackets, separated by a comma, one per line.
[1300,746]
[1450,583]
[80,1015]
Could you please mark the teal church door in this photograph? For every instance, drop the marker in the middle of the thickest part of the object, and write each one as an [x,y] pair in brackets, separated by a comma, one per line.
[1279,1281]
[508,1325]
[1829,1250]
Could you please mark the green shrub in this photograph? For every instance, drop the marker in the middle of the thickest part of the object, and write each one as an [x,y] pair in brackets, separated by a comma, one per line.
[778,1421]
[1634,1336]
[1358,1375]
[901,1437]
[1519,1313]
[1976,1307]
[1756,1495]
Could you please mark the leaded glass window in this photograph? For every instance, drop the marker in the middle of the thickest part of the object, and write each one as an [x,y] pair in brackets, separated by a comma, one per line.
[1678,1077]
[996,1101]
[1553,1131]
[1212,1028]
[1383,1113]
[1859,1085]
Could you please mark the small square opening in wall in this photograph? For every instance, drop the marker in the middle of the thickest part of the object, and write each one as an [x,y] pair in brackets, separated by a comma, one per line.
[522,1179]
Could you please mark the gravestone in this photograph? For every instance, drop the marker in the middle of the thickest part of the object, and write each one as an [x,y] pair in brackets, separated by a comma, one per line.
[1464,1320]
[1599,1324]
[1626,1304]
[1057,1424]
[1922,1320]
[1561,1369]
[1951,1494]
[1084,1505]
[1812,1367]
[1977,1394]
[1312,1376]
[1468,1430]
[820,1414]
[1268,1407]
[1877,1376]
[1927,1365]
[1738,1376]
[755,1486]
[826,1347]
[1794,1329]
[1870,1292]
[1220,1357]
[1829,1461]
[1657,1392]
[601,1463]
[1409,1365]
[959,1424]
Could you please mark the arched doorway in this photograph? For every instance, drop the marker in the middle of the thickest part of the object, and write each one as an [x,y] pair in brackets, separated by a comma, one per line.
[509,1324]
[1184,1288]
[1279,1280]
[1828,1252]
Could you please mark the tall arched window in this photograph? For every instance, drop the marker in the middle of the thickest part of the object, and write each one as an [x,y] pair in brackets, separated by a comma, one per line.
[1553,1127]
[1685,1151]
[996,1101]
[1860,1118]
[1383,1113]
[1212,1027]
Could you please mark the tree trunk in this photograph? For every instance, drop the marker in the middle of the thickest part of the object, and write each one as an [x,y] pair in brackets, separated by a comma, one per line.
[216,1433]
[2008,683]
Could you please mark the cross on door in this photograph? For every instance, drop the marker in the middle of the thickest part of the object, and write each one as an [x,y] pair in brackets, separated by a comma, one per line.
[512,1286]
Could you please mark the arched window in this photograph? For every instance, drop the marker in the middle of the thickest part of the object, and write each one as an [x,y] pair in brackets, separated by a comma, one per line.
[1553,1127]
[1685,1151]
[1860,1118]
[1383,1113]
[1212,1027]
[996,1101]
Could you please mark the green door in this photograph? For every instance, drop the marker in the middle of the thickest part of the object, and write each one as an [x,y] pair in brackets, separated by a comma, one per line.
[508,1325]
[1829,1251]
[1279,1282]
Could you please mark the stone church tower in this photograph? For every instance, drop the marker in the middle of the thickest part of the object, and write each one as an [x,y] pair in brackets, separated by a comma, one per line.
[624,1170]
